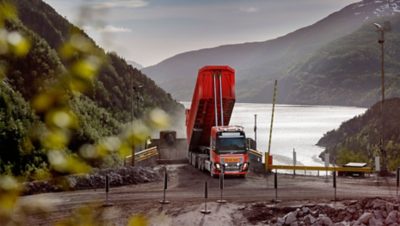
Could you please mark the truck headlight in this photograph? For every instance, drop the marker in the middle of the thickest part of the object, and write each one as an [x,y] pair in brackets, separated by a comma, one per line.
[217,166]
[245,166]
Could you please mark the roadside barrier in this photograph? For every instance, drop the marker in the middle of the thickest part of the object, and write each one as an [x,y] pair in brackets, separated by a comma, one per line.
[164,201]
[276,186]
[142,155]
[321,168]
[205,210]
[107,186]
[334,185]
[221,185]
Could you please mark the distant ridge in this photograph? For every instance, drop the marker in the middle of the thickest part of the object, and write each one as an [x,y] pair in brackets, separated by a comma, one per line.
[259,63]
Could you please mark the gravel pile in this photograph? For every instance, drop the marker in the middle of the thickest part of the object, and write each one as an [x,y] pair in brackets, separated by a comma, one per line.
[117,177]
[370,211]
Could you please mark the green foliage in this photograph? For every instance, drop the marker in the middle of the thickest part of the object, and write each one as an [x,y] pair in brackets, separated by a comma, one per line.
[61,52]
[358,139]
[62,131]
[345,156]
[16,120]
[118,85]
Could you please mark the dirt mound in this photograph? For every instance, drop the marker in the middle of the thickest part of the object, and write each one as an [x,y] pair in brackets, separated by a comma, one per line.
[117,177]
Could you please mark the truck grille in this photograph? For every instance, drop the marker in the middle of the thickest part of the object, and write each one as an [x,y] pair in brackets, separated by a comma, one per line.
[231,167]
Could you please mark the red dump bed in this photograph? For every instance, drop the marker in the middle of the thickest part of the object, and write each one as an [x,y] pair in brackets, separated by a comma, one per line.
[201,116]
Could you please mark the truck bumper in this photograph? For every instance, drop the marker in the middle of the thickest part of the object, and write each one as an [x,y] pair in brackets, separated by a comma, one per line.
[233,173]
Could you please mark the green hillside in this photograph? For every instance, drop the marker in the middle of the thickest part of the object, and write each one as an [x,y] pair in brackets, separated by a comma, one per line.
[116,79]
[103,109]
[358,139]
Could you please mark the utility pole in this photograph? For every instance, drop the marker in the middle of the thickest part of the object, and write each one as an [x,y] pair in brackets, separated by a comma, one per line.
[271,126]
[255,129]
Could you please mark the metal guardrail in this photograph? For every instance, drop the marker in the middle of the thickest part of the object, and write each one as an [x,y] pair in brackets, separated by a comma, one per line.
[323,168]
[314,168]
[142,155]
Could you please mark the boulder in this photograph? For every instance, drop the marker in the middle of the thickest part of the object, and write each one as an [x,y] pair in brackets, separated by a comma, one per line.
[305,210]
[378,214]
[309,219]
[364,219]
[391,218]
[324,221]
[290,217]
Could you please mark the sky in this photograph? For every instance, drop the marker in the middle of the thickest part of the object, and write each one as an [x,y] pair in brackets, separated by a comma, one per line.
[149,31]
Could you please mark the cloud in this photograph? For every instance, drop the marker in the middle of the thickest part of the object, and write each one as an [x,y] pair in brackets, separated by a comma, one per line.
[108,4]
[249,9]
[108,29]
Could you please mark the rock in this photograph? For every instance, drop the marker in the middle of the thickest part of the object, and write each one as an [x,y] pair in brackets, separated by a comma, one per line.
[351,210]
[389,207]
[305,210]
[364,219]
[309,219]
[339,224]
[378,214]
[391,218]
[384,214]
[324,221]
[378,203]
[290,217]
[375,222]
[280,221]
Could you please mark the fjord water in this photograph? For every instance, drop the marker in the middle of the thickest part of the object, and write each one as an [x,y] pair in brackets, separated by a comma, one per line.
[295,126]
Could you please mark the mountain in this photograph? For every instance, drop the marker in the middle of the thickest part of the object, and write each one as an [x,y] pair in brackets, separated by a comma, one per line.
[259,63]
[347,71]
[358,139]
[101,112]
[135,65]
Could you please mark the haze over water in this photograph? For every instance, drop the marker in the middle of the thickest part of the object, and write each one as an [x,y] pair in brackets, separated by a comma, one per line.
[295,126]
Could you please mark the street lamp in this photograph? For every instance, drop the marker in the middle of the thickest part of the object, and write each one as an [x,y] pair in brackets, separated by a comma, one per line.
[381,30]
[381,41]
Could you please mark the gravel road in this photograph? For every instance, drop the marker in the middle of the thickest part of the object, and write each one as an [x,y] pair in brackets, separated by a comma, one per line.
[186,192]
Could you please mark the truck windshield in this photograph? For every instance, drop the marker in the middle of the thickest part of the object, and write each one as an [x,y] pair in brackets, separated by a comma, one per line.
[231,145]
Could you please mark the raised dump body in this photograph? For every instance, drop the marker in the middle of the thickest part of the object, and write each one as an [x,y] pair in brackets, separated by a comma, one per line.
[215,85]
[213,144]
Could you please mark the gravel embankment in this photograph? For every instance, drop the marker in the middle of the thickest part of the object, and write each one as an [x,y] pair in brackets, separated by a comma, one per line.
[117,177]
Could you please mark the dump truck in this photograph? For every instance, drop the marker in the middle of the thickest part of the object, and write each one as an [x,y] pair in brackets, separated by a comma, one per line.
[214,145]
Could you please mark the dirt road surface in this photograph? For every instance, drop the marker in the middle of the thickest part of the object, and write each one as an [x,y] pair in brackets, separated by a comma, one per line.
[186,193]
